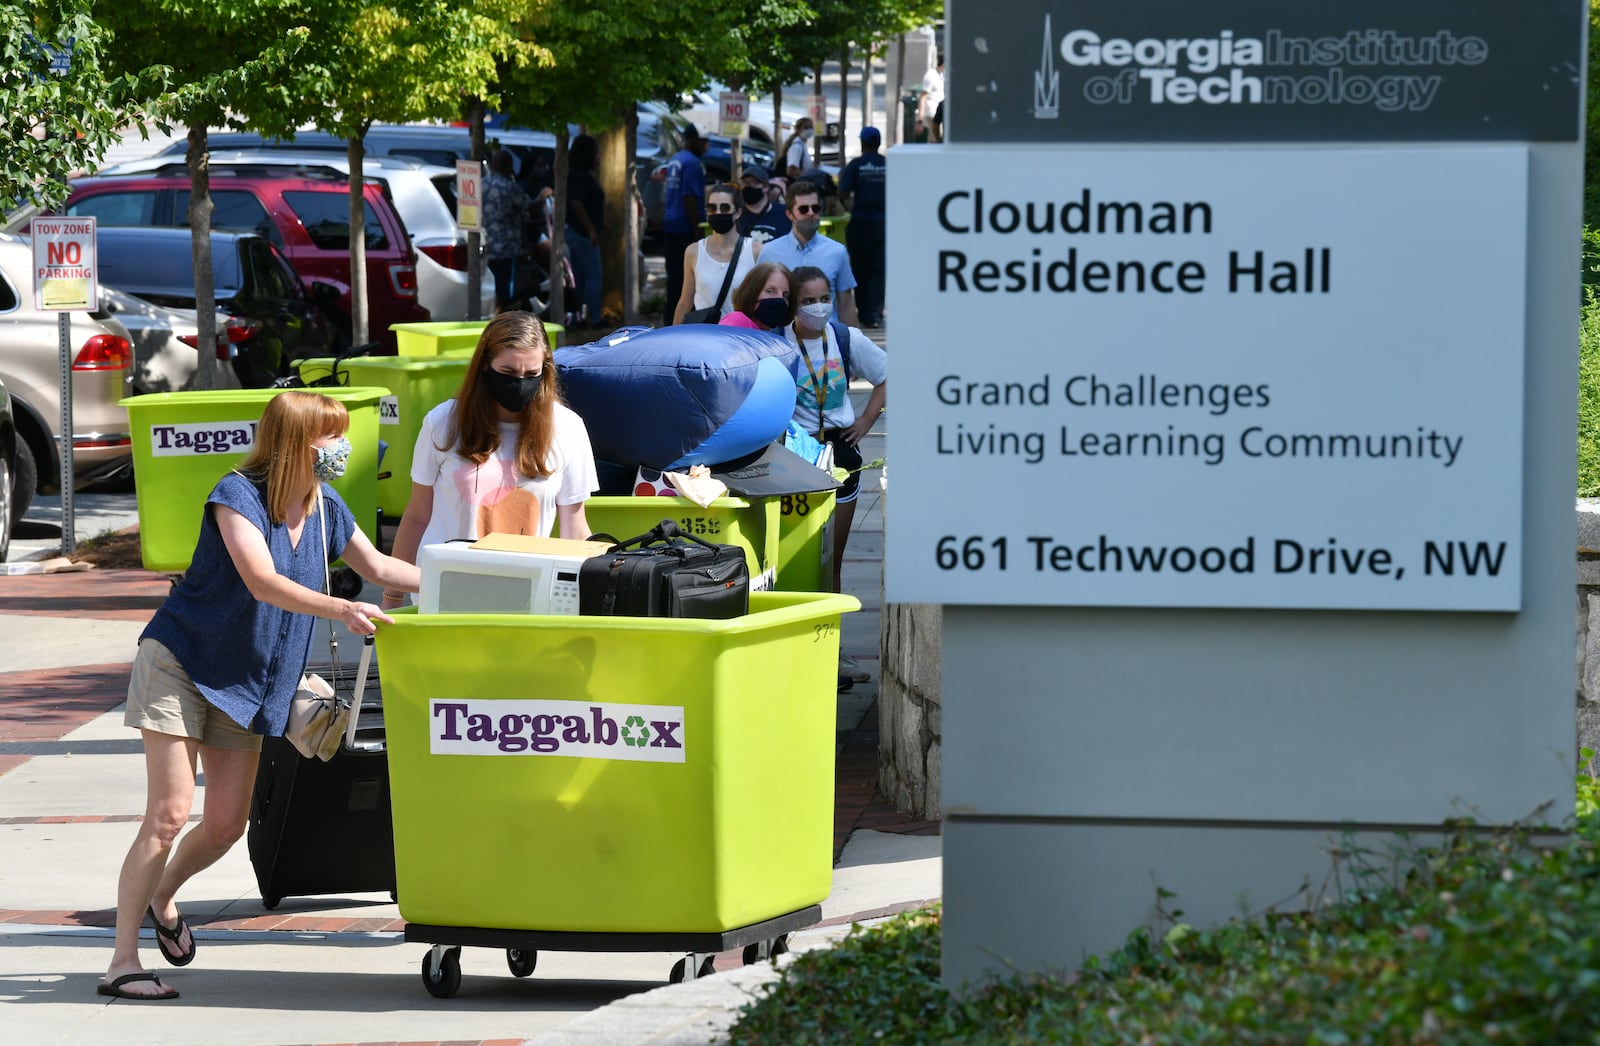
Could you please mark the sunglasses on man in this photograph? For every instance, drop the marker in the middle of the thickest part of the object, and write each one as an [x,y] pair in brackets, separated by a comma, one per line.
[808,208]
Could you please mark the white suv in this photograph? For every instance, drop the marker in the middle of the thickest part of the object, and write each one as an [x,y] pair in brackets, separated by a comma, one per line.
[418,191]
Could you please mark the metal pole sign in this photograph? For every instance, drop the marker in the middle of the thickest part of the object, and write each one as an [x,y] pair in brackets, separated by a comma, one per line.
[1240,411]
[469,195]
[65,281]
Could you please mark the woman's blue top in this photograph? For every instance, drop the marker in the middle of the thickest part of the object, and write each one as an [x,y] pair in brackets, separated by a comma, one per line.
[244,655]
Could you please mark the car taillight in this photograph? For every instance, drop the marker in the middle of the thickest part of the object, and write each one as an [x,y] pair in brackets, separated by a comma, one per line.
[450,255]
[104,352]
[233,331]
[403,278]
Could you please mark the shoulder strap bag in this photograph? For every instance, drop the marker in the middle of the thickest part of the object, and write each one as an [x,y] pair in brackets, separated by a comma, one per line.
[713,312]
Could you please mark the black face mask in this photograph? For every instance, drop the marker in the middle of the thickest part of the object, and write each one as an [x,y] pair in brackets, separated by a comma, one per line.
[753,194]
[720,222]
[514,394]
[772,312]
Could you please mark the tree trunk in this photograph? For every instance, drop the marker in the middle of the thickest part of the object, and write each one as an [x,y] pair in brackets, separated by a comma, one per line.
[358,241]
[475,238]
[205,289]
[867,89]
[844,98]
[632,270]
[777,130]
[614,171]
[558,231]
[892,98]
[819,119]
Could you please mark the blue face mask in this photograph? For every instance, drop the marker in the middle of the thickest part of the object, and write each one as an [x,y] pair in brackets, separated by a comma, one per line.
[331,460]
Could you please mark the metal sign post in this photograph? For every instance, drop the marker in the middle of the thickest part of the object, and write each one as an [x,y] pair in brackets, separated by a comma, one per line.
[64,281]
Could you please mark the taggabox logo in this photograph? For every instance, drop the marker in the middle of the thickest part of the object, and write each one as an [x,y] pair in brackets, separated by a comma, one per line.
[203,437]
[635,733]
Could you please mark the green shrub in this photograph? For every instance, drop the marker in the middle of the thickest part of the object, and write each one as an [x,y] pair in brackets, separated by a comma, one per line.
[1488,938]
[1589,396]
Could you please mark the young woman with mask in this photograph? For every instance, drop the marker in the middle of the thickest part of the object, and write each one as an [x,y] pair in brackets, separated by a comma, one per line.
[822,402]
[705,262]
[505,455]
[761,301]
[797,149]
[220,661]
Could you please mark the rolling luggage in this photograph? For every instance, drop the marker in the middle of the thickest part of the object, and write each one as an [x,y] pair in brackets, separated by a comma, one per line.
[668,574]
[321,828]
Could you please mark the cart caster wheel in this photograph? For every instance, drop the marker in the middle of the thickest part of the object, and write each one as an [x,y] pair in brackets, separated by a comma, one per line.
[751,954]
[271,903]
[521,961]
[780,945]
[394,896]
[679,968]
[444,980]
[708,966]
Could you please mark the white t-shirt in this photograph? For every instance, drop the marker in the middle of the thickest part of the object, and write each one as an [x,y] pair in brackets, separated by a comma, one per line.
[799,155]
[932,91]
[867,361]
[709,273]
[470,500]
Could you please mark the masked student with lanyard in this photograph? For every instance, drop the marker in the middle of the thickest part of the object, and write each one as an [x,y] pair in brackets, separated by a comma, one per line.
[833,355]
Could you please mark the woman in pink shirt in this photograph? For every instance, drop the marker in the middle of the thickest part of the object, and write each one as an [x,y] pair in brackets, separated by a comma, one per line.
[762,300]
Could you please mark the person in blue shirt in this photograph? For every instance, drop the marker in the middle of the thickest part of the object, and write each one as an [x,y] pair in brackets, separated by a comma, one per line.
[683,197]
[862,187]
[221,659]
[804,246]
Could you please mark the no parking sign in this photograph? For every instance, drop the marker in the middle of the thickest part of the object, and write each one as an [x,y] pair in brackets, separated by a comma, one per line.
[64,265]
[735,114]
[469,195]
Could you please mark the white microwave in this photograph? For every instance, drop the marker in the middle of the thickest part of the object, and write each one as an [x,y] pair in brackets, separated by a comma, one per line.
[503,574]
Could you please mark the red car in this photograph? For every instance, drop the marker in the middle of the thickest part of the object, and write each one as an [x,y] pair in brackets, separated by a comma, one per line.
[306,217]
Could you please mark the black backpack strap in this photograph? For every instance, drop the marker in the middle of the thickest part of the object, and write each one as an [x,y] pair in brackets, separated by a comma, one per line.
[608,602]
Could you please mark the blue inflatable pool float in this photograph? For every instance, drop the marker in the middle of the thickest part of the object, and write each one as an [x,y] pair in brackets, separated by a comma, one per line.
[673,397]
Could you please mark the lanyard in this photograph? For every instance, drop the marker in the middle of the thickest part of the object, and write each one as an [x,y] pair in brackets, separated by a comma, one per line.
[821,390]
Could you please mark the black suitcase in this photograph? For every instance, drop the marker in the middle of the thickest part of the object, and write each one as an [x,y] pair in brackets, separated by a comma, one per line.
[669,574]
[322,828]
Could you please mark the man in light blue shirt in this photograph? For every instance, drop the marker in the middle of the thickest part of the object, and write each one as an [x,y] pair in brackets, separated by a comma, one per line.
[804,246]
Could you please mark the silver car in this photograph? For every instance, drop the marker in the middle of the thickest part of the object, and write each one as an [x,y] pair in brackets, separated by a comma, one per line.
[165,357]
[30,369]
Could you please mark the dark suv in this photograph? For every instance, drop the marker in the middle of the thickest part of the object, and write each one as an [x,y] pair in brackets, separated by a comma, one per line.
[269,318]
[307,218]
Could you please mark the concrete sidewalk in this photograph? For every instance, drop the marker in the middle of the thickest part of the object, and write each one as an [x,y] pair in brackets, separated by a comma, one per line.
[332,969]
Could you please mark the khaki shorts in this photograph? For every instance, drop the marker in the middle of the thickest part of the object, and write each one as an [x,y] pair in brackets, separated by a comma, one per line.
[162,697]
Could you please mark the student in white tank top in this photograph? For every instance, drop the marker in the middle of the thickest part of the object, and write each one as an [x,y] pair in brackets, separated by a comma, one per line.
[705,263]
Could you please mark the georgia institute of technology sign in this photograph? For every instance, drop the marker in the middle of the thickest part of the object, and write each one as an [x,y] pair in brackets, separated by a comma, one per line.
[1227,308]
[1261,70]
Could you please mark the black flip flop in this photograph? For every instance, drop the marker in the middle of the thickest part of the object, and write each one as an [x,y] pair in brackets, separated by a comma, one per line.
[175,935]
[115,990]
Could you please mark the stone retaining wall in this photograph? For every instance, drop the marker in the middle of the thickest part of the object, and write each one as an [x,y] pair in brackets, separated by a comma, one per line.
[1588,632]
[909,707]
